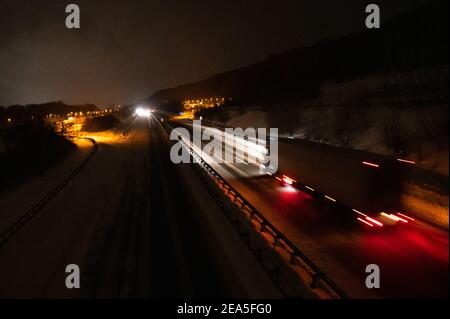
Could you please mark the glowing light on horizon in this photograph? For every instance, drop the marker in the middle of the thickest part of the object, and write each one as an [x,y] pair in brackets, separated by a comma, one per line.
[142,112]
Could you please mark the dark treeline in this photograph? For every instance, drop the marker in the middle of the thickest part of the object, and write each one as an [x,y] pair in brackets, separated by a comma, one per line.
[29,149]
[102,123]
[415,40]
[20,113]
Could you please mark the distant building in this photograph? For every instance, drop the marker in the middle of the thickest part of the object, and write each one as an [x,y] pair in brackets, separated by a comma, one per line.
[191,106]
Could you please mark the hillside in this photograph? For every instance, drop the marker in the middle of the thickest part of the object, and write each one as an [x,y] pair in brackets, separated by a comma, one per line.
[414,40]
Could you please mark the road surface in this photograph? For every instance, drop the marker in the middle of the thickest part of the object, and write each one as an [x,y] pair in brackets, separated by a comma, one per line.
[128,221]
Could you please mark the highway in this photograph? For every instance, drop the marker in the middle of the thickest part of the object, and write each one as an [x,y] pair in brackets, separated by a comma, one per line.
[413,257]
[140,226]
[130,222]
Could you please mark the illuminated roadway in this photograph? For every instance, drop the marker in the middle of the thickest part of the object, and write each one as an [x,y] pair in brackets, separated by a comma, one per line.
[129,221]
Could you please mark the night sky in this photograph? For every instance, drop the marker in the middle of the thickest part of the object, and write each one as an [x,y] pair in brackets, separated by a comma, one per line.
[125,50]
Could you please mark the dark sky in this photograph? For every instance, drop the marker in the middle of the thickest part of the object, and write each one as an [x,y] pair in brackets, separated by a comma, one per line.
[125,50]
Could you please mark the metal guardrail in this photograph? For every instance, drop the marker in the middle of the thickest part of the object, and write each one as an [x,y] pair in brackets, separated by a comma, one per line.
[319,278]
[36,208]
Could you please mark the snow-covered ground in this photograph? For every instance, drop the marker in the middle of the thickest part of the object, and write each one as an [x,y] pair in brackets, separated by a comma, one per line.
[14,205]
[359,113]
[369,111]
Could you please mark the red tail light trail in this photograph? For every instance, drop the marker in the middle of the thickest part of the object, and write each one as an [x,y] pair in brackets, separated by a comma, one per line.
[374,221]
[365,222]
[407,217]
[406,161]
[371,164]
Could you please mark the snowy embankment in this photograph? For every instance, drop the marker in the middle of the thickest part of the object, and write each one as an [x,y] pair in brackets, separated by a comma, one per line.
[428,200]
[380,114]
[15,204]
